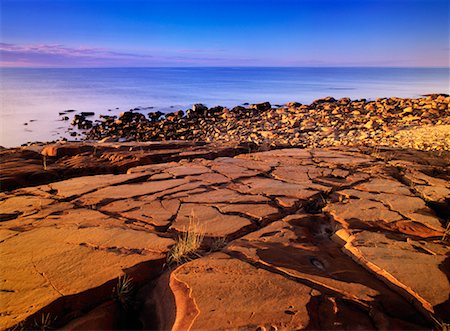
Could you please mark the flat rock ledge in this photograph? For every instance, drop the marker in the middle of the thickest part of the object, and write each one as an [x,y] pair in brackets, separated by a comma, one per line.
[323,239]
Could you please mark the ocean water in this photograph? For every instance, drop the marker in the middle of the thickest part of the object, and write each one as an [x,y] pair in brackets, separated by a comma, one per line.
[31,99]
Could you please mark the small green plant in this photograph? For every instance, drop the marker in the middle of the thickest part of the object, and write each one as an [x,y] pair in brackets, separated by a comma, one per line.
[122,292]
[44,323]
[217,244]
[187,245]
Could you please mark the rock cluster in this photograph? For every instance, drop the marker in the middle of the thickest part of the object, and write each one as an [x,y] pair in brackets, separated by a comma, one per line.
[325,122]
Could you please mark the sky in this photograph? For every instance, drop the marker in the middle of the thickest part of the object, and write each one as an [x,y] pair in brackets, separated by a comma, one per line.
[155,33]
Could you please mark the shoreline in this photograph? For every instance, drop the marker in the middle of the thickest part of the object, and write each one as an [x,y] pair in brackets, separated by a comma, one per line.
[325,122]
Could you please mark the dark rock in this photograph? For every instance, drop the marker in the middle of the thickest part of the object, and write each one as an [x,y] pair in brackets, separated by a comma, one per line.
[179,114]
[199,108]
[65,118]
[263,106]
[215,110]
[293,104]
[323,100]
[107,117]
[170,117]
[154,116]
[239,109]
[87,113]
[87,124]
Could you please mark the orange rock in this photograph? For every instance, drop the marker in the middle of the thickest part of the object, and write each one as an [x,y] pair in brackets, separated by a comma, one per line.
[225,293]
[417,269]
[49,151]
[77,266]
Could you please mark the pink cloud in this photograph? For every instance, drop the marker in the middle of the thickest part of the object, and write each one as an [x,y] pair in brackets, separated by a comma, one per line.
[60,55]
[57,55]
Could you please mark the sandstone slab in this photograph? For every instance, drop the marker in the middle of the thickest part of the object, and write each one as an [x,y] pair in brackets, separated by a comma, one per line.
[417,268]
[71,265]
[209,221]
[300,248]
[220,292]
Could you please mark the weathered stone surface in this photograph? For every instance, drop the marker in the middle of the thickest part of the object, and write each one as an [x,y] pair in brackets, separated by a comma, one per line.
[104,317]
[418,268]
[272,187]
[397,211]
[187,170]
[23,205]
[28,167]
[299,247]
[260,212]
[156,212]
[129,191]
[81,185]
[209,221]
[381,185]
[224,196]
[49,264]
[253,298]
[64,244]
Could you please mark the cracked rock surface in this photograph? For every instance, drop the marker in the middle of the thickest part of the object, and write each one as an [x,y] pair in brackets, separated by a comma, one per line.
[337,238]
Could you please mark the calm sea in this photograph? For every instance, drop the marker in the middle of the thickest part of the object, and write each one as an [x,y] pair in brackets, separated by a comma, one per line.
[36,96]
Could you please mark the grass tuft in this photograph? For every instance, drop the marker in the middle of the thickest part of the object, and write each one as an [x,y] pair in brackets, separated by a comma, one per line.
[440,325]
[44,323]
[122,292]
[187,245]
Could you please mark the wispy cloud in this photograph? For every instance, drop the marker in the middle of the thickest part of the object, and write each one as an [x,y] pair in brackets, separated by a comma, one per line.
[202,50]
[58,55]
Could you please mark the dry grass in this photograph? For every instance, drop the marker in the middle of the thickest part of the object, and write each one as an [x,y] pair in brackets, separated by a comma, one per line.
[441,326]
[187,245]
[44,161]
[122,292]
[44,323]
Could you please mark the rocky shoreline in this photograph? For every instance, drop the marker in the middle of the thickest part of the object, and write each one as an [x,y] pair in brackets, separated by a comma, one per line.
[300,216]
[326,122]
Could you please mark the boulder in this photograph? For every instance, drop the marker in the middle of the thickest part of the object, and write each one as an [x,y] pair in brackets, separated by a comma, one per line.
[263,106]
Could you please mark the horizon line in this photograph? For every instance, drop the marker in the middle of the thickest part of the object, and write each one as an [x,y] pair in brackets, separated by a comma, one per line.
[244,66]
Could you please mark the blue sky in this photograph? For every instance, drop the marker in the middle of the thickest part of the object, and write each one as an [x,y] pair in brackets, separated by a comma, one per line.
[110,33]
